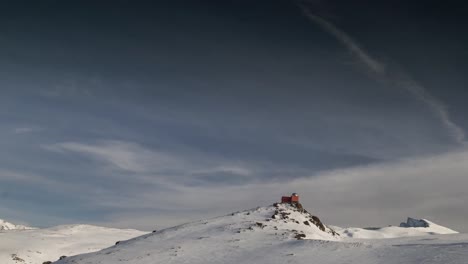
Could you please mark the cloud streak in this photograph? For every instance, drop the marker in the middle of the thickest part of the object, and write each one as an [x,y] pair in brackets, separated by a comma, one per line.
[126,156]
[129,158]
[381,72]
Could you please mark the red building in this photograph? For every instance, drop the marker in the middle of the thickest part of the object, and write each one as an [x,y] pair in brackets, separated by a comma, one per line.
[294,198]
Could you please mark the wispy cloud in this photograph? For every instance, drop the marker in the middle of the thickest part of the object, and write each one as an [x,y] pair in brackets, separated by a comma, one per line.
[380,71]
[241,171]
[26,129]
[71,85]
[122,155]
[17,176]
[373,65]
[148,164]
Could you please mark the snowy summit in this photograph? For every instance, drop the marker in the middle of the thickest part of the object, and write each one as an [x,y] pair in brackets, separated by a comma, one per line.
[282,233]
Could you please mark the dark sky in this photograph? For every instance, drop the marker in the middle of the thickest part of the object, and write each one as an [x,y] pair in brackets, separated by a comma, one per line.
[135,113]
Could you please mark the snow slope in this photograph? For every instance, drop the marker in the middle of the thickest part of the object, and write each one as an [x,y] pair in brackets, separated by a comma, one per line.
[4,225]
[278,234]
[36,246]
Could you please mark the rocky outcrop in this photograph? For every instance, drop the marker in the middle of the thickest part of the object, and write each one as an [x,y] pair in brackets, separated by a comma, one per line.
[412,222]
[284,213]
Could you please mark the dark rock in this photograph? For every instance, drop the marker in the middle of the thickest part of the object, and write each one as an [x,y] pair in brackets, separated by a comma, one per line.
[300,236]
[16,258]
[333,232]
[284,215]
[299,206]
[62,257]
[316,221]
[412,222]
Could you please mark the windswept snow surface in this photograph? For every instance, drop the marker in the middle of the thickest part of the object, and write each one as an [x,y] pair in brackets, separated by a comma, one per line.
[254,236]
[36,246]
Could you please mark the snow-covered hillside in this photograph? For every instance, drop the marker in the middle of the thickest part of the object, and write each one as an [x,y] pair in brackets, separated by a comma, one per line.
[281,234]
[36,246]
[4,225]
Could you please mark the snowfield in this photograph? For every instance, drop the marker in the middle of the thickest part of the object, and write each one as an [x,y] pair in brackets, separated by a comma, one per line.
[284,234]
[35,246]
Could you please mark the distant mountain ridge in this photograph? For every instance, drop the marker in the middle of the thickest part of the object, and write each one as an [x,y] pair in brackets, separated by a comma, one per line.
[4,225]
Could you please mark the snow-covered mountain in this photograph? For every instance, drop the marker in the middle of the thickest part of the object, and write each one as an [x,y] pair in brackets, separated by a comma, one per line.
[283,233]
[423,224]
[413,227]
[4,225]
[35,246]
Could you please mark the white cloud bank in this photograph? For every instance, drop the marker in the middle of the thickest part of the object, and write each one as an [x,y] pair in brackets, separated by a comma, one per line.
[432,187]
